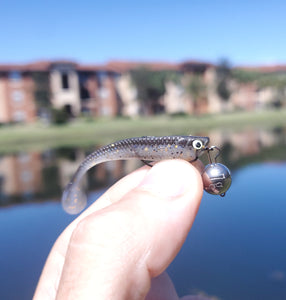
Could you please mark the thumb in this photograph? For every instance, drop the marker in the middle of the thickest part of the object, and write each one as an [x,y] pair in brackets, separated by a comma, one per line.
[114,252]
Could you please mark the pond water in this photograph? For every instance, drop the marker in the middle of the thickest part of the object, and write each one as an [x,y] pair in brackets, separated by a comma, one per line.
[235,250]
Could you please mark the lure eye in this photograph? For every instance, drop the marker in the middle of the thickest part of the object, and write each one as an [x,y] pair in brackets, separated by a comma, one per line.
[197,144]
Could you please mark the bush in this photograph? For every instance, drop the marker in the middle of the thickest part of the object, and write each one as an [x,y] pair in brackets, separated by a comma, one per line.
[179,114]
[59,116]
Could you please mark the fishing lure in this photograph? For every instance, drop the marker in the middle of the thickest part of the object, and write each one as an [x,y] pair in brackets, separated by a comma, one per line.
[148,149]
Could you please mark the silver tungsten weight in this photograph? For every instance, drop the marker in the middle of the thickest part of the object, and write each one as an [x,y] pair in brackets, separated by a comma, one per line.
[216,176]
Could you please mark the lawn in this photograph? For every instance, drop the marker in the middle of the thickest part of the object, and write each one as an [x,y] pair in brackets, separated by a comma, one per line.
[84,132]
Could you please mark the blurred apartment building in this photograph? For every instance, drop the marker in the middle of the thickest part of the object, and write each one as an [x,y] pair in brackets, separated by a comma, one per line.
[17,101]
[20,175]
[33,175]
[74,87]
[107,90]
[36,176]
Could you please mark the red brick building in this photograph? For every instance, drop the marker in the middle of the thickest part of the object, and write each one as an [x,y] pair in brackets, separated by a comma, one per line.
[73,87]
[17,102]
[107,90]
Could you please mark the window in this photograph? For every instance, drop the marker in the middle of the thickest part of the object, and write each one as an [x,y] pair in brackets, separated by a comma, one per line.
[15,76]
[24,158]
[19,116]
[101,77]
[103,93]
[26,176]
[17,96]
[105,111]
[65,81]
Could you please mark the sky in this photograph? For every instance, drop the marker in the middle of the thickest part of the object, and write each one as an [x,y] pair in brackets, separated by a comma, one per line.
[245,32]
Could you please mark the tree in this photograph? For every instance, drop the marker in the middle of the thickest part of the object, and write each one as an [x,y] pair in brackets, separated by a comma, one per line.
[274,80]
[150,87]
[224,74]
[196,88]
[245,76]
[42,92]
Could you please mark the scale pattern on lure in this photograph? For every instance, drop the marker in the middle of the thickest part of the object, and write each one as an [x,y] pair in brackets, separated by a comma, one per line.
[146,148]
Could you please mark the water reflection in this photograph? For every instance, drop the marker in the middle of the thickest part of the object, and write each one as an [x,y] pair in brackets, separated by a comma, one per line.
[21,177]
[235,250]
[252,145]
[36,176]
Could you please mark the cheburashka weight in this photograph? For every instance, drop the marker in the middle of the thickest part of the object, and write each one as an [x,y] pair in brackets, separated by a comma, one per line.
[216,176]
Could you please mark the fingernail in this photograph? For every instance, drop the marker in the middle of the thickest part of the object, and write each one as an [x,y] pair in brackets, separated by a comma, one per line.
[170,179]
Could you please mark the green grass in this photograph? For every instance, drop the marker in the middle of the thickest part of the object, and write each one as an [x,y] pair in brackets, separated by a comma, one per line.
[101,131]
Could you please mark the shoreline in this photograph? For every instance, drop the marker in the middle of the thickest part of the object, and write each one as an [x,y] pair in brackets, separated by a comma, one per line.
[86,132]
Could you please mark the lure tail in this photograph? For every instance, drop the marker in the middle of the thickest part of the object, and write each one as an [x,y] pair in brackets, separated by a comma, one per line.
[74,199]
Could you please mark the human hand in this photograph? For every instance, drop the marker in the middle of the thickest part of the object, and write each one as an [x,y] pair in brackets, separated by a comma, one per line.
[127,238]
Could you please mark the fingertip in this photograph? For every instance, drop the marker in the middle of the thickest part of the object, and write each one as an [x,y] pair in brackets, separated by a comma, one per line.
[172,178]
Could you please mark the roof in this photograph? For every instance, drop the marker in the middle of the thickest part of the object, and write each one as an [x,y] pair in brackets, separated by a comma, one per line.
[194,65]
[112,66]
[34,66]
[264,69]
[124,66]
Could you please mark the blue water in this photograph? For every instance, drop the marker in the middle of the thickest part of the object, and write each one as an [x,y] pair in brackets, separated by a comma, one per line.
[237,246]
[235,250]
[27,233]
